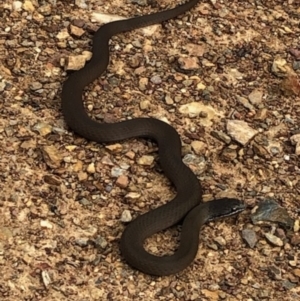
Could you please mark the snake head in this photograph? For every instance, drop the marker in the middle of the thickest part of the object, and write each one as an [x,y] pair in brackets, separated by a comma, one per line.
[225,207]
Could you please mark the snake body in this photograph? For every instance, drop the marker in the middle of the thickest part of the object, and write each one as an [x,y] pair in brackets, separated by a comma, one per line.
[187,205]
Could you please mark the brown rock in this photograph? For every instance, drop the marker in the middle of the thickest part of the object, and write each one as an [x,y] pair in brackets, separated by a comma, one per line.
[296,272]
[122,181]
[76,31]
[52,156]
[189,63]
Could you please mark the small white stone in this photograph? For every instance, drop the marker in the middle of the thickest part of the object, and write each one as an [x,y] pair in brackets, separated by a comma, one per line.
[240,131]
[28,6]
[295,139]
[46,224]
[126,216]
[17,5]
[81,4]
[133,195]
[146,160]
[274,239]
[91,168]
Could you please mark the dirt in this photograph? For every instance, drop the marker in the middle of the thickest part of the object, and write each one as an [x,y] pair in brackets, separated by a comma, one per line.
[64,198]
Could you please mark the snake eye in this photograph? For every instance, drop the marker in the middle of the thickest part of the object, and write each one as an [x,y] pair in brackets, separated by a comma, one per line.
[238,207]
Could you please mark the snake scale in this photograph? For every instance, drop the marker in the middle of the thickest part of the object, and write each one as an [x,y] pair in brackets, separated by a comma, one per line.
[187,206]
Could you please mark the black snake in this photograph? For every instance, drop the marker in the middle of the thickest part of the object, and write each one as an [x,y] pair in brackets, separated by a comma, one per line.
[186,207]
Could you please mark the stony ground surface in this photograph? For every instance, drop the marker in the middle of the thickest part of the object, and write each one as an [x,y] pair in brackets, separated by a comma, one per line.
[225,75]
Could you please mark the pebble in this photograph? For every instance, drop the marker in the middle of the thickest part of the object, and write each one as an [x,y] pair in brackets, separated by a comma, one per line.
[145,105]
[35,86]
[5,233]
[295,52]
[296,65]
[82,176]
[288,285]
[193,109]
[81,4]
[209,295]
[130,155]
[137,44]
[91,168]
[269,210]
[245,102]
[203,114]
[196,163]
[274,273]
[2,86]
[78,22]
[114,148]
[198,147]
[207,63]
[255,97]
[67,159]
[17,5]
[250,237]
[143,83]
[145,160]
[82,242]
[195,49]
[105,18]
[295,240]
[52,156]
[189,63]
[45,10]
[122,181]
[52,180]
[220,240]
[124,165]
[240,131]
[77,62]
[63,35]
[260,150]
[28,6]
[28,144]
[71,148]
[43,128]
[274,239]
[135,61]
[293,263]
[84,202]
[296,272]
[126,216]
[229,153]
[169,100]
[46,224]
[221,136]
[46,278]
[76,31]
[133,195]
[295,140]
[261,114]
[108,188]
[279,67]
[201,86]
[296,225]
[156,79]
[101,242]
[140,2]
[187,82]
[116,172]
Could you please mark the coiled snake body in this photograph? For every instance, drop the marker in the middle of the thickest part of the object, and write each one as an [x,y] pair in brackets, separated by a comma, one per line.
[187,205]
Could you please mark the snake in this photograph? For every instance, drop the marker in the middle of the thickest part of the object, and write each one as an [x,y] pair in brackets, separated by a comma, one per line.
[187,207]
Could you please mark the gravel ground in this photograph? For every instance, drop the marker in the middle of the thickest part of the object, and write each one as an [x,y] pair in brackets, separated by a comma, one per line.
[225,75]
